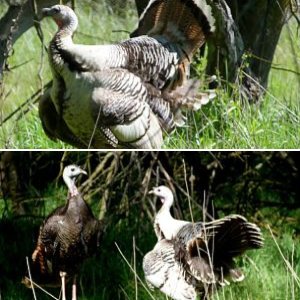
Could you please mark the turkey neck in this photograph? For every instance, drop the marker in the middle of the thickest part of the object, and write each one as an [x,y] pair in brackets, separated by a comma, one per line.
[164,219]
[65,32]
[70,183]
[167,224]
[61,41]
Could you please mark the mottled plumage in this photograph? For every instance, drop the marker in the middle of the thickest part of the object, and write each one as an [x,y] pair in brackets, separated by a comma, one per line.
[68,236]
[122,95]
[207,250]
[162,271]
[202,252]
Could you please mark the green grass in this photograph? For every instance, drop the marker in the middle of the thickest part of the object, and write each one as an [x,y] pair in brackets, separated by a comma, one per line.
[225,123]
[229,124]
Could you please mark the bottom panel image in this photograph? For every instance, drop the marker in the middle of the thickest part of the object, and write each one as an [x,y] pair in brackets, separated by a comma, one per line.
[149,225]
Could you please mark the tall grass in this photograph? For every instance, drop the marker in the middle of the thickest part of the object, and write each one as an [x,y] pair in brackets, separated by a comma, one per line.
[272,273]
[229,122]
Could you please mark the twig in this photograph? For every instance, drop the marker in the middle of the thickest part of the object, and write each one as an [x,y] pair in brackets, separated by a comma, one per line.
[188,192]
[31,282]
[287,263]
[40,34]
[121,31]
[134,266]
[145,187]
[21,64]
[42,289]
[61,167]
[87,184]
[132,269]
[285,69]
[295,7]
[95,128]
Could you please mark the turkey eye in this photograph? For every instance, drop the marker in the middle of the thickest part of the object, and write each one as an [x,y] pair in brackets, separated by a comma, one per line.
[56,10]
[73,169]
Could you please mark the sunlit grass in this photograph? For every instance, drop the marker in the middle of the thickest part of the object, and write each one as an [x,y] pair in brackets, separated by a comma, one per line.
[230,124]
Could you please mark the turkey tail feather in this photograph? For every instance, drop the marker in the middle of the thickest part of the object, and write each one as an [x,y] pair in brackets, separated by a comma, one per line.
[187,97]
[186,23]
[38,258]
[207,250]
[234,235]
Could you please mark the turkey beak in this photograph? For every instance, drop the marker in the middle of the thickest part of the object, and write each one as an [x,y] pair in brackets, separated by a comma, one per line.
[83,172]
[151,192]
[46,12]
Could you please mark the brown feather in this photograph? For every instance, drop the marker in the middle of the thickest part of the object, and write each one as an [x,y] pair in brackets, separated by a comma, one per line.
[207,250]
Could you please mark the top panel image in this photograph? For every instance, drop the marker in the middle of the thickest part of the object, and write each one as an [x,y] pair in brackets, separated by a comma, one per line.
[149,74]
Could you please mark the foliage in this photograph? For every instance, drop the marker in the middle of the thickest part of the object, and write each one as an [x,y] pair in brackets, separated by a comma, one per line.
[260,185]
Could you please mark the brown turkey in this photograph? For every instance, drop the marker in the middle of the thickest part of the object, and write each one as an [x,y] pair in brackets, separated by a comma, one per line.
[67,236]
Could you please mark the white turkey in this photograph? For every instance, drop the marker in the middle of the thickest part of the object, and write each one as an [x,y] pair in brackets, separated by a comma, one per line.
[128,94]
[68,236]
[165,226]
[204,251]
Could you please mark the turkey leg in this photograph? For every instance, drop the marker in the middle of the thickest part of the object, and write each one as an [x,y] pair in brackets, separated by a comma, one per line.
[74,291]
[63,284]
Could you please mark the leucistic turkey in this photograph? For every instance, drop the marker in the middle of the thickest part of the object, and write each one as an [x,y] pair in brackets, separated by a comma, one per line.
[202,254]
[68,236]
[128,94]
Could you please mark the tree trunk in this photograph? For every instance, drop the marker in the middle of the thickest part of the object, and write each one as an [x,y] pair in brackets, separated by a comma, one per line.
[260,24]
[18,19]
[244,26]
[255,29]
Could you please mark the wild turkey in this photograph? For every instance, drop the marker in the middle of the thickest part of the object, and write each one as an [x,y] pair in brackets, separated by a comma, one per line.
[205,251]
[125,95]
[67,236]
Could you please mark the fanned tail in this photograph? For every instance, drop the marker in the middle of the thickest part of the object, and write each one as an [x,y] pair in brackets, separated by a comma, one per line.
[234,235]
[208,255]
[186,23]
